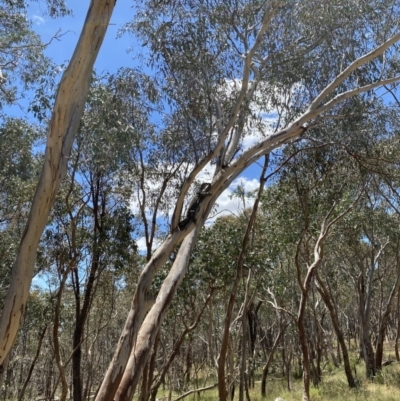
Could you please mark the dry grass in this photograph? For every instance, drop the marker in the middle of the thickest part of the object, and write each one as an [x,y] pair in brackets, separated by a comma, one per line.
[385,387]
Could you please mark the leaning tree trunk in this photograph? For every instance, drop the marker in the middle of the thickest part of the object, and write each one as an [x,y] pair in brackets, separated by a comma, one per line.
[147,334]
[67,112]
[175,351]
[227,170]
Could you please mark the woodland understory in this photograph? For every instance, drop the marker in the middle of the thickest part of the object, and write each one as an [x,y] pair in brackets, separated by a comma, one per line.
[124,274]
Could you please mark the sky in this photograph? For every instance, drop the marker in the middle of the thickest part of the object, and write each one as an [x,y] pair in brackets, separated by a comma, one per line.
[114,54]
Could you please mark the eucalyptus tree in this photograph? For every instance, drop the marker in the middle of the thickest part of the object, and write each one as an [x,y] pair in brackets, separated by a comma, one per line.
[179,346]
[18,171]
[263,54]
[369,258]
[29,349]
[222,66]
[22,60]
[240,261]
[92,226]
[68,109]
[317,194]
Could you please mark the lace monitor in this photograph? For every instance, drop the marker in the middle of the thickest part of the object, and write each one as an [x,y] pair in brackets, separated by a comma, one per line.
[194,205]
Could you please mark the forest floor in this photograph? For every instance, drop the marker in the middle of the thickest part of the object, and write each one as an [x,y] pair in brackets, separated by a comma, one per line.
[384,387]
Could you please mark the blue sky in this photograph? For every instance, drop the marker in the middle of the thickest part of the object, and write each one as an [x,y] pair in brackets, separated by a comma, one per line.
[114,52]
[113,55]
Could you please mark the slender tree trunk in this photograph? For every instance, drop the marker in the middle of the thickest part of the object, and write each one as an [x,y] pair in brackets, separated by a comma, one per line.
[67,112]
[385,319]
[242,382]
[80,321]
[368,351]
[364,313]
[222,391]
[76,363]
[304,350]
[288,371]
[306,285]
[396,344]
[152,364]
[269,361]
[81,314]
[211,335]
[189,359]
[57,350]
[323,291]
[175,351]
[33,363]
[365,295]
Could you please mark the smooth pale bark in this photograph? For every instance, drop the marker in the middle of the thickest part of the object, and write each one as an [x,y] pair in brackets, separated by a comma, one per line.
[245,96]
[224,175]
[154,319]
[243,362]
[305,288]
[176,349]
[67,112]
[139,307]
[365,292]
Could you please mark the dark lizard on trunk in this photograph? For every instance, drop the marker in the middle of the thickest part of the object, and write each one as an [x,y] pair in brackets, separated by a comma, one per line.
[194,205]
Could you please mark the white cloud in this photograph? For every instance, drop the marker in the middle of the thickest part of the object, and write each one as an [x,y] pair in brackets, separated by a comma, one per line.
[249,140]
[38,20]
[141,244]
[268,117]
[226,205]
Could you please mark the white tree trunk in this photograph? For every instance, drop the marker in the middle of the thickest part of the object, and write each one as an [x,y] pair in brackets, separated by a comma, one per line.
[67,112]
